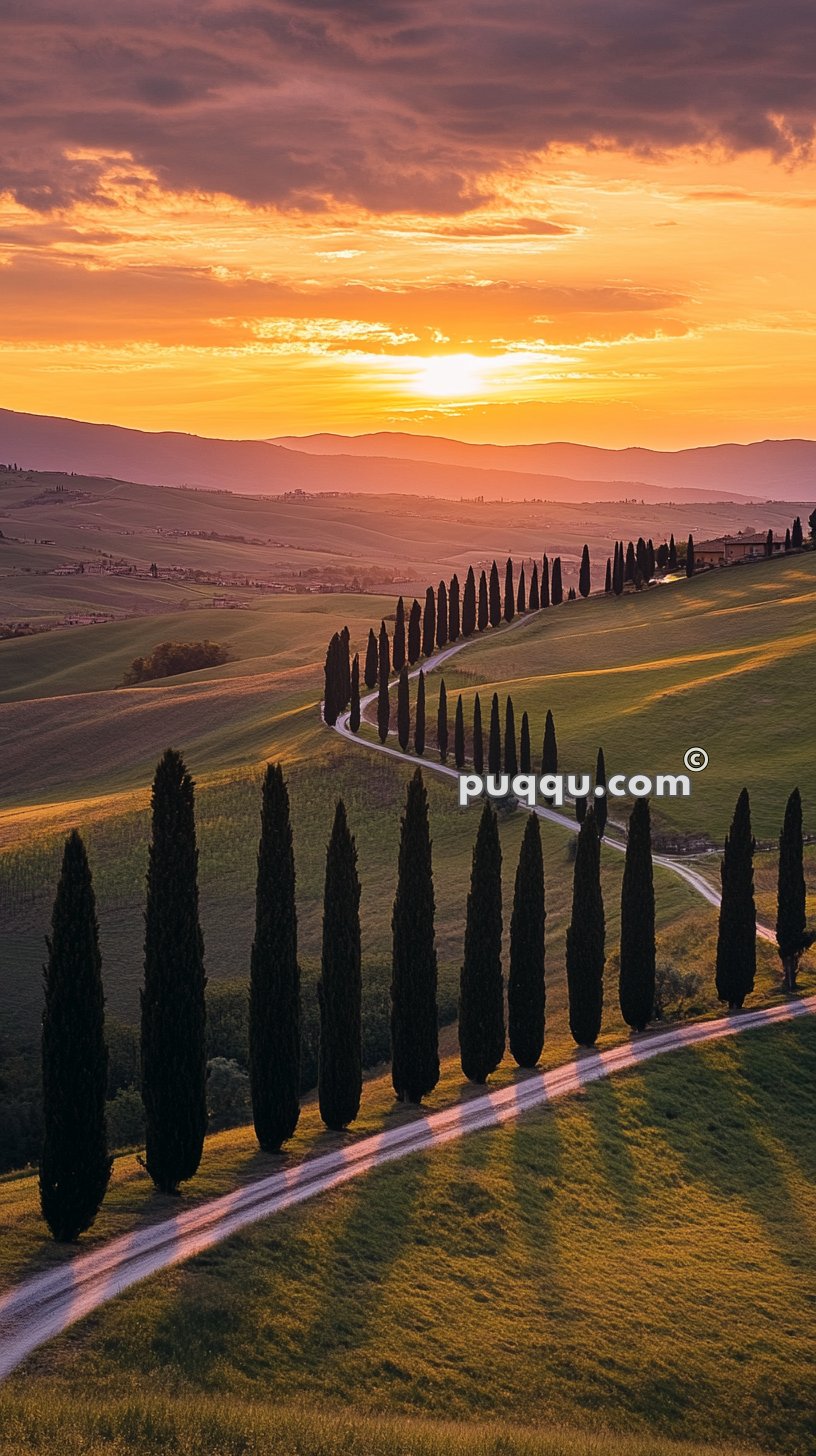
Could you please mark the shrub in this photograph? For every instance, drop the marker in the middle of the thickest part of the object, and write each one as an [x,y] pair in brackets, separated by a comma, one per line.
[228,1097]
[677,993]
[169,658]
[125,1117]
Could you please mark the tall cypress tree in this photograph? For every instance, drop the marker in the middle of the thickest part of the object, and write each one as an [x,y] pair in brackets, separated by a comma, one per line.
[174,1062]
[557,589]
[403,711]
[274,980]
[545,582]
[525,982]
[581,807]
[617,571]
[792,935]
[483,614]
[414,632]
[332,682]
[354,714]
[345,668]
[339,990]
[690,564]
[494,597]
[419,724]
[521,594]
[636,986]
[535,600]
[640,556]
[372,660]
[787,538]
[608,577]
[494,754]
[584,573]
[481,989]
[383,655]
[399,654]
[601,805]
[469,604]
[454,624]
[549,752]
[630,566]
[414,1017]
[509,593]
[74,1163]
[459,735]
[442,724]
[736,937]
[672,563]
[525,753]
[442,615]
[797,534]
[650,560]
[510,754]
[429,623]
[383,698]
[585,939]
[478,739]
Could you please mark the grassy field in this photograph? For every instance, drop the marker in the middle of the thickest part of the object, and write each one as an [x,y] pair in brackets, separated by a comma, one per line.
[638,1259]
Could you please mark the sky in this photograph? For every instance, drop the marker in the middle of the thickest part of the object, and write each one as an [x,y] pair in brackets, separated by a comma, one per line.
[513,222]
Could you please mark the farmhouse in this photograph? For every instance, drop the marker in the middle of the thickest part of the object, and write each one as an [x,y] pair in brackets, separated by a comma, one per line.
[725,550]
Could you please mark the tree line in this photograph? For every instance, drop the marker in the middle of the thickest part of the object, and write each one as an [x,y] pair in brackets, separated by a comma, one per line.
[75,1163]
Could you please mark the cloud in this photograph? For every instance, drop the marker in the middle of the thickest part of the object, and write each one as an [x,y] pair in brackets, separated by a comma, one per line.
[391,104]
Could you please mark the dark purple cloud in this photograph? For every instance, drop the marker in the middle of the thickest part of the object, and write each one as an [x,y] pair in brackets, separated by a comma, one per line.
[393,103]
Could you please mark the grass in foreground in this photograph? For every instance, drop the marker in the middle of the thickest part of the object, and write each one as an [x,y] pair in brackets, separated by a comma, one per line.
[638,1258]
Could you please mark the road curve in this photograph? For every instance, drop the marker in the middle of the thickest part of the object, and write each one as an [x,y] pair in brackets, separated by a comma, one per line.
[46,1305]
[692,877]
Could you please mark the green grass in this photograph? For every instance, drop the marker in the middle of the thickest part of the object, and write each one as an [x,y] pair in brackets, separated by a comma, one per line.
[638,1258]
[724,662]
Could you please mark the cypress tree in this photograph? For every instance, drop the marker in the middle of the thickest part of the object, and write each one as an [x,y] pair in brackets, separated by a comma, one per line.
[414,1017]
[535,600]
[345,668]
[650,560]
[372,660]
[442,724]
[545,582]
[631,563]
[581,806]
[459,735]
[481,990]
[608,577]
[383,655]
[525,753]
[640,556]
[454,627]
[174,1062]
[797,535]
[792,935]
[478,740]
[636,987]
[494,756]
[787,538]
[494,597]
[469,604]
[510,755]
[403,711]
[332,689]
[354,715]
[483,616]
[414,632]
[525,982]
[769,543]
[383,701]
[549,752]
[442,615]
[521,595]
[509,594]
[419,725]
[601,806]
[736,937]
[429,623]
[399,652]
[617,572]
[662,557]
[74,1162]
[571,594]
[672,554]
[339,990]
[274,980]
[556,590]
[585,939]
[690,556]
[584,573]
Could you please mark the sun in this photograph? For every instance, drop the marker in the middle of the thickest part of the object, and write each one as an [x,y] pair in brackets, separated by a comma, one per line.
[450,376]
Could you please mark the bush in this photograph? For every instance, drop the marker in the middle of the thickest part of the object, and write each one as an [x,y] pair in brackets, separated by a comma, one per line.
[677,993]
[228,1096]
[125,1115]
[169,658]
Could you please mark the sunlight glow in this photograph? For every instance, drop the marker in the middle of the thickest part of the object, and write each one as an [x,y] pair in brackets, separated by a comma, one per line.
[451,376]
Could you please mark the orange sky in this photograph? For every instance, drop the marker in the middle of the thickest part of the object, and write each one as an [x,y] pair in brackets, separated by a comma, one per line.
[613,294]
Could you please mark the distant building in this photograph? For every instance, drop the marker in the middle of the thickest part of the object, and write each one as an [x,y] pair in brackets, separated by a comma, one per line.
[726,550]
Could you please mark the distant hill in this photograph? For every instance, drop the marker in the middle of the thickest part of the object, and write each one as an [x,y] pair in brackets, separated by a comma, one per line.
[779,469]
[259,467]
